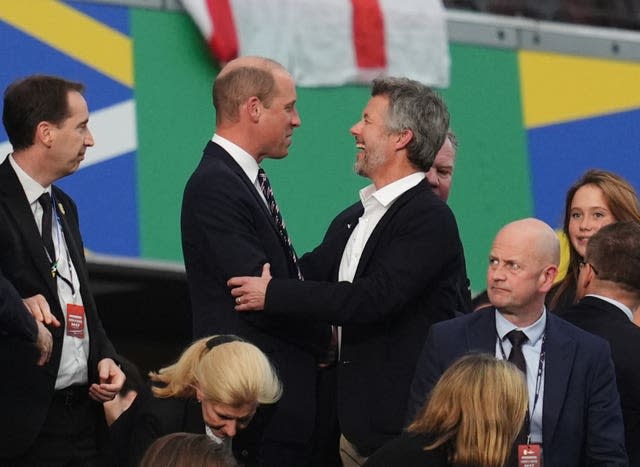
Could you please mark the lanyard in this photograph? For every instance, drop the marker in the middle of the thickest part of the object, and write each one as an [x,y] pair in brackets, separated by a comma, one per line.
[538,386]
[60,244]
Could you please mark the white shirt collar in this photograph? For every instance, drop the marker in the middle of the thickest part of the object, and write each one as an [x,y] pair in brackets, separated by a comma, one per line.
[627,311]
[32,189]
[389,193]
[245,160]
[534,331]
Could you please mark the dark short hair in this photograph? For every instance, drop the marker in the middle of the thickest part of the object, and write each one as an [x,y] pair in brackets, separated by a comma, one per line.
[35,99]
[416,107]
[614,251]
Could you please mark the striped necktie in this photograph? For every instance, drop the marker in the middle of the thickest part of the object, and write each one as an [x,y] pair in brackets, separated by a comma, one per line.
[267,191]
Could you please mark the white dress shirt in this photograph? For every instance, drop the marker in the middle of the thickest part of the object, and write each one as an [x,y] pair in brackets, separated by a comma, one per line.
[376,203]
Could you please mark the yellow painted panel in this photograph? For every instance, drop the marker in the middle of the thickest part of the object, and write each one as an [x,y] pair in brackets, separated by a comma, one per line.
[557,88]
[73,33]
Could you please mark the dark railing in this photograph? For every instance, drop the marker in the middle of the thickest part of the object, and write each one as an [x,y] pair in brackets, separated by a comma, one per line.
[624,14]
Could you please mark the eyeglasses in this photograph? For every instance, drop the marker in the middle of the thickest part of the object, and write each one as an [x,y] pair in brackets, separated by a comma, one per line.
[583,263]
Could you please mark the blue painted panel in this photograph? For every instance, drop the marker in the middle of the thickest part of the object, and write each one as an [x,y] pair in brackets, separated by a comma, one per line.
[23,55]
[560,153]
[106,197]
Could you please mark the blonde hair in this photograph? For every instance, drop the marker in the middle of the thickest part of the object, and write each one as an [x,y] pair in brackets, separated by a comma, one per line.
[233,373]
[477,409]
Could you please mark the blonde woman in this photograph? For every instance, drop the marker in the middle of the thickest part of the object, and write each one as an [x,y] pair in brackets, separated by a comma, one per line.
[472,418]
[214,388]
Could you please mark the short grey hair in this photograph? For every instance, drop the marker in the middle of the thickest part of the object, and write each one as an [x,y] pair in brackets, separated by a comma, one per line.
[416,107]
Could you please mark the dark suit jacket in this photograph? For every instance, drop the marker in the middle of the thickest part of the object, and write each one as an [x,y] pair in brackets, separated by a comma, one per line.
[581,417]
[408,451]
[609,322]
[25,393]
[15,319]
[411,274]
[158,417]
[227,231]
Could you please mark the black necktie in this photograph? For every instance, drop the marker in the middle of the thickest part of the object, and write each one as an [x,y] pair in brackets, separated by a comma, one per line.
[47,217]
[265,186]
[517,338]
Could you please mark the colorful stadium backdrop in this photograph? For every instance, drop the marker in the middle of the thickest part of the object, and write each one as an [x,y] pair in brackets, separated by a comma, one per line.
[529,124]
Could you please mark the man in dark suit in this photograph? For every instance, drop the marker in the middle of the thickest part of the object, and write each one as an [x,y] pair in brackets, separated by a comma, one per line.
[609,291]
[392,265]
[229,228]
[17,322]
[51,414]
[573,403]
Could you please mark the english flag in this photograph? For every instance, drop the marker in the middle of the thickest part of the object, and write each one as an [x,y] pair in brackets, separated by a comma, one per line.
[331,42]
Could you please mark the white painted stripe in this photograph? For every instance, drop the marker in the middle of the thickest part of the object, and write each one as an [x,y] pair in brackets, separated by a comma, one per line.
[200,14]
[114,132]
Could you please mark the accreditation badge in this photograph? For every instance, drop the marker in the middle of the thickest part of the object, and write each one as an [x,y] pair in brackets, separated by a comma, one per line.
[75,321]
[529,455]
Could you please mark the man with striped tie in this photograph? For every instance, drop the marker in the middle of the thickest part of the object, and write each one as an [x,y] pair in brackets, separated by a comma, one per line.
[231,226]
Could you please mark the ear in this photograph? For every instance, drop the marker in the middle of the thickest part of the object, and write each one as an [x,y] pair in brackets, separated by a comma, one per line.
[585,278]
[254,108]
[44,133]
[199,393]
[547,277]
[404,138]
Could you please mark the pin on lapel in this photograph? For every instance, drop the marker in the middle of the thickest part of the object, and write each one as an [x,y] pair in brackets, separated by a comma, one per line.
[61,209]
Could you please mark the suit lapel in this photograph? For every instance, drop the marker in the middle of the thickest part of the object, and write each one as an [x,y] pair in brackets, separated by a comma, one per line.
[18,207]
[386,219]
[214,150]
[481,331]
[559,355]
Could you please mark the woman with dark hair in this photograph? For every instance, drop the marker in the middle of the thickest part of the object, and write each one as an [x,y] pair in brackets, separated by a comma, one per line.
[597,199]
[471,418]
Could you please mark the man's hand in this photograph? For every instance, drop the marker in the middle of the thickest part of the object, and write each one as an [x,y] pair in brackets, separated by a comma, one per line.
[44,343]
[250,291]
[111,380]
[39,309]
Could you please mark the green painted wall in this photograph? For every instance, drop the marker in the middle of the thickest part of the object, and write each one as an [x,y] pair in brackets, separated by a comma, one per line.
[316,181]
[492,184]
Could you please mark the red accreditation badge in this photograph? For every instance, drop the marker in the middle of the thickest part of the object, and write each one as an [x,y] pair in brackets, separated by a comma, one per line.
[529,455]
[75,321]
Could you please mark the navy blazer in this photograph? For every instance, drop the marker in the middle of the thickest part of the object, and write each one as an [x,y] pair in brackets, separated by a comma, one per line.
[609,322]
[26,392]
[15,319]
[411,274]
[581,417]
[227,231]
